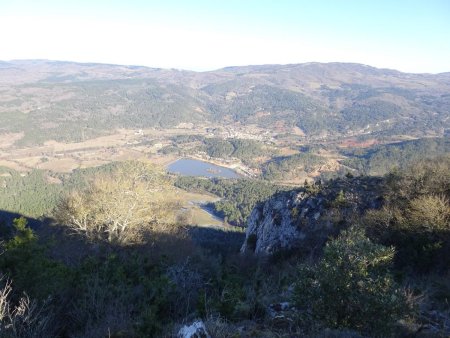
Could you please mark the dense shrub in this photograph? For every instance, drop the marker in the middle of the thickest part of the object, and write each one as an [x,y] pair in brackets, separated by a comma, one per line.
[351,286]
[416,216]
[113,292]
[25,261]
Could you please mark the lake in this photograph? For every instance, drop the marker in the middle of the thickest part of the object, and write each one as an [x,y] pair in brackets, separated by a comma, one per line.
[190,167]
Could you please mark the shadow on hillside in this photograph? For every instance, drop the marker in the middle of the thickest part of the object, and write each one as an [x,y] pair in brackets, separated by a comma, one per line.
[60,243]
[70,248]
[7,217]
[217,239]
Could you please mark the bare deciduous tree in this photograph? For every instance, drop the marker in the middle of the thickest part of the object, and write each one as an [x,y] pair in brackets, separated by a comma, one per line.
[118,206]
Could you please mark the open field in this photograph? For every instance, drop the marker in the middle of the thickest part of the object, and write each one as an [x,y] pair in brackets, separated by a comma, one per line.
[191,203]
[164,146]
[201,217]
[122,145]
[65,157]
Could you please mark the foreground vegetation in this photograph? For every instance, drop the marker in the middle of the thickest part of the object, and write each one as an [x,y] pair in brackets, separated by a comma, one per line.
[385,274]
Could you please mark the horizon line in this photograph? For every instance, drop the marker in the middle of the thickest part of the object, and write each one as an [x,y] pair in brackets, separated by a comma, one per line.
[217,69]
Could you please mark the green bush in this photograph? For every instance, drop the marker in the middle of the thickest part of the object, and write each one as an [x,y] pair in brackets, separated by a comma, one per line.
[26,262]
[120,295]
[351,287]
[340,200]
[23,234]
[415,217]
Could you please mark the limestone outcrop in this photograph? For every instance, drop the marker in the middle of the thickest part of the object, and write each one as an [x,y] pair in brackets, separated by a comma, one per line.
[306,217]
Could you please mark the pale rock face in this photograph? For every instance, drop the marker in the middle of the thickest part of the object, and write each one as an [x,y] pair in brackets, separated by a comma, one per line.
[270,227]
[195,330]
[296,218]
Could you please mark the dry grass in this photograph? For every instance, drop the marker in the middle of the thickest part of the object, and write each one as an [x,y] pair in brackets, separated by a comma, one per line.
[7,140]
[202,218]
[187,197]
[122,145]
[13,165]
[60,165]
[194,214]
[32,161]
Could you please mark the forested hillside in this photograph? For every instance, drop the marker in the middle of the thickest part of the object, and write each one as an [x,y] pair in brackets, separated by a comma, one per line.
[239,197]
[72,102]
[36,193]
[379,160]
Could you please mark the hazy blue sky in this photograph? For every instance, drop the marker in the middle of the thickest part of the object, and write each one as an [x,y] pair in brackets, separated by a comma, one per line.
[408,35]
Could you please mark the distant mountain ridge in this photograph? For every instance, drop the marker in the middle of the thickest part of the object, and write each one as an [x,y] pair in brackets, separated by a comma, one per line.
[64,100]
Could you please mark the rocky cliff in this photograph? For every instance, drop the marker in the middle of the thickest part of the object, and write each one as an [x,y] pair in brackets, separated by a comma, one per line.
[306,217]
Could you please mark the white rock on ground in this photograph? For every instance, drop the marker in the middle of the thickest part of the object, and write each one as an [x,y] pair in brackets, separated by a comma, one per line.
[196,330]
